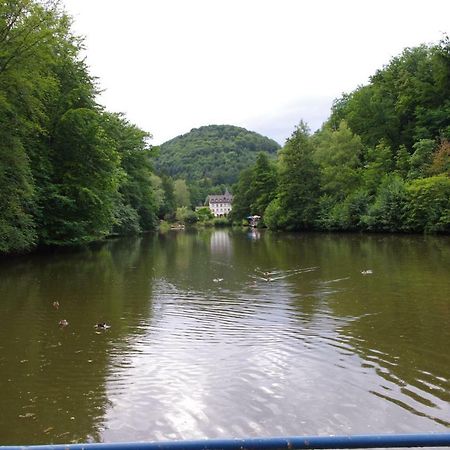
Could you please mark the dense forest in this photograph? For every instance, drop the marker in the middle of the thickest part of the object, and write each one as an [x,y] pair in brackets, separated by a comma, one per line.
[381,162]
[70,172]
[210,158]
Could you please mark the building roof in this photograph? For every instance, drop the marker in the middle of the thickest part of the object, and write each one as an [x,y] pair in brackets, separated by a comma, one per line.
[222,198]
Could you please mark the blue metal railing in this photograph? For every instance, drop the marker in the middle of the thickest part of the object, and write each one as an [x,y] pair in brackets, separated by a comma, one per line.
[281,443]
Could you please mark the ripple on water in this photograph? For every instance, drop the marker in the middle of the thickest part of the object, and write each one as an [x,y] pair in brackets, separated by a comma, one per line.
[313,351]
[224,363]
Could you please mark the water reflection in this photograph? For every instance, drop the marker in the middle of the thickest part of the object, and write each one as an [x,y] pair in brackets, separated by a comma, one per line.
[221,243]
[254,234]
[215,334]
[52,381]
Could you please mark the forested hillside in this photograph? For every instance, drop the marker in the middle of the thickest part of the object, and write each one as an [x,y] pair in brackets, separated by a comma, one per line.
[213,154]
[380,163]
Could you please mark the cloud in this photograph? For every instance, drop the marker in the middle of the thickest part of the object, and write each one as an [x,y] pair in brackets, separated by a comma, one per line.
[280,124]
[261,64]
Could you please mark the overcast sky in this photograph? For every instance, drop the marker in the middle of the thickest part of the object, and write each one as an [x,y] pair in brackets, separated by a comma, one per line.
[174,65]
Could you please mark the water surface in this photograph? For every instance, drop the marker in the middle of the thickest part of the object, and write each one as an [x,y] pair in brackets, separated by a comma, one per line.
[226,334]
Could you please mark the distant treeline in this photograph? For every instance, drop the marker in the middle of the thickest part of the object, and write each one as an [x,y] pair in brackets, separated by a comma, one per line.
[381,162]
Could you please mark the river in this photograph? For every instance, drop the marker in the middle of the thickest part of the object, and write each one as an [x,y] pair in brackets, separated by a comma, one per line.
[222,333]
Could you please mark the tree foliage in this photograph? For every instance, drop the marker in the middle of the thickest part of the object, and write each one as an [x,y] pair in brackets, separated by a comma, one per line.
[406,101]
[297,195]
[255,189]
[181,193]
[428,207]
[136,191]
[86,177]
[210,158]
[379,163]
[167,209]
[70,172]
[338,154]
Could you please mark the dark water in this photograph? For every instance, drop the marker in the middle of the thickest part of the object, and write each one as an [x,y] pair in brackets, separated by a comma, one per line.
[201,345]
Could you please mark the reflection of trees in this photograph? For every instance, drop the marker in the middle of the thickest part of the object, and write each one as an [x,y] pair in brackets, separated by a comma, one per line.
[186,260]
[52,381]
[192,261]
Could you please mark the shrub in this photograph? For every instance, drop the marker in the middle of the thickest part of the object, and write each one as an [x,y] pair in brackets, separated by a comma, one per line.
[343,215]
[186,215]
[388,211]
[272,215]
[164,226]
[428,207]
[204,214]
[221,222]
[126,220]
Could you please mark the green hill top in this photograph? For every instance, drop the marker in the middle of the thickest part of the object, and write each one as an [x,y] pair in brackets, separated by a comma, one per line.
[214,152]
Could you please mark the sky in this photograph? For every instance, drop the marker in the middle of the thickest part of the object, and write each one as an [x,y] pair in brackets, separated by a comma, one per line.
[174,65]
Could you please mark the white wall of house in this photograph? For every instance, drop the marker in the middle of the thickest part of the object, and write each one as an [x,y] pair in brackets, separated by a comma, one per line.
[220,209]
[220,205]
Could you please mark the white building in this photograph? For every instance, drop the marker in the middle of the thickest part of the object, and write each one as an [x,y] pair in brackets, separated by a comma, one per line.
[220,205]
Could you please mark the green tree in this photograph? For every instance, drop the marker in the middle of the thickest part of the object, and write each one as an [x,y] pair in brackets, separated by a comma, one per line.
[136,190]
[214,152]
[158,191]
[17,231]
[346,214]
[185,215]
[168,207]
[296,204]
[181,193]
[402,162]
[273,215]
[428,206]
[87,175]
[263,184]
[406,101]
[421,159]
[338,154]
[379,161]
[28,32]
[69,171]
[243,197]
[388,211]
[204,214]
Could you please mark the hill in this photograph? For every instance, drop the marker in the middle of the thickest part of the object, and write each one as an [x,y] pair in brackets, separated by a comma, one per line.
[213,153]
